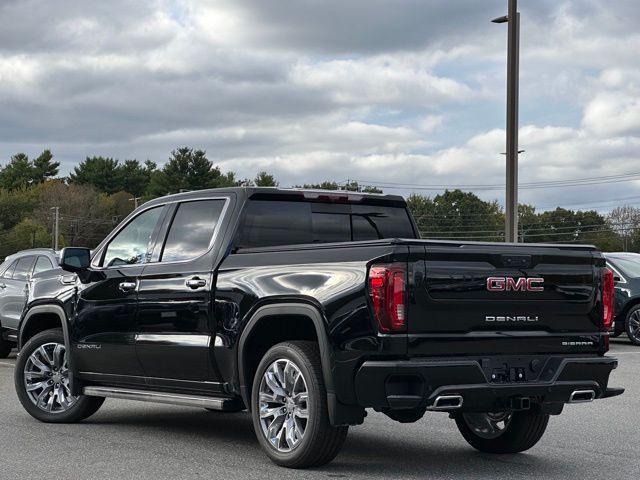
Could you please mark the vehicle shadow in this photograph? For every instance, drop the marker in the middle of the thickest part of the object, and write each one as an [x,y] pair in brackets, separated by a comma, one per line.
[370,454]
[366,453]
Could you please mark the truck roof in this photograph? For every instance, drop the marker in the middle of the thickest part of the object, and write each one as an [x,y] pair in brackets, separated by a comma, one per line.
[277,193]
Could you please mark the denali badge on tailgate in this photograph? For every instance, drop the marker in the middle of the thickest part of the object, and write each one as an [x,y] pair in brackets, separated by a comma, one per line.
[510,284]
[509,318]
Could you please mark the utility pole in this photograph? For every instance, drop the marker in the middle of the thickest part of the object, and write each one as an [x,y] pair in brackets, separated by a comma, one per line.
[56,223]
[513,67]
[134,199]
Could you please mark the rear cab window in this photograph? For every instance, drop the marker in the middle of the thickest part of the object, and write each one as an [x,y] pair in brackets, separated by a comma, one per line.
[268,223]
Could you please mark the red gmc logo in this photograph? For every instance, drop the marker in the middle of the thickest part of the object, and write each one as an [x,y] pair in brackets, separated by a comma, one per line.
[510,284]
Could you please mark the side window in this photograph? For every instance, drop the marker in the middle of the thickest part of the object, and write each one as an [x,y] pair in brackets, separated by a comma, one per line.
[191,230]
[42,264]
[23,268]
[8,273]
[130,245]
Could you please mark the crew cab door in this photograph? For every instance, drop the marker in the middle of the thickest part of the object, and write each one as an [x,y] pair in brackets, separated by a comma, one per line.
[103,333]
[176,325]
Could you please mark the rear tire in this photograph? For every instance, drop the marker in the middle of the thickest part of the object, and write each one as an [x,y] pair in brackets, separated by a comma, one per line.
[521,431]
[42,378]
[632,325]
[289,407]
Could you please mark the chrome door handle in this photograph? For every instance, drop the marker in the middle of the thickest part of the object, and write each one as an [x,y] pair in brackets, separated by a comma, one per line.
[2,285]
[196,283]
[127,287]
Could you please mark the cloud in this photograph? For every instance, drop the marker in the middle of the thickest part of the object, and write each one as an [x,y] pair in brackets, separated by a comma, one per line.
[409,92]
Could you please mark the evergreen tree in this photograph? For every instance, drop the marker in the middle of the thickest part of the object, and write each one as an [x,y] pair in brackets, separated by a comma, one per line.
[100,172]
[264,179]
[188,169]
[44,167]
[18,173]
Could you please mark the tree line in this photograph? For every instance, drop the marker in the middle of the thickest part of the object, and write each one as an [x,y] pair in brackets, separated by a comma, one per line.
[100,191]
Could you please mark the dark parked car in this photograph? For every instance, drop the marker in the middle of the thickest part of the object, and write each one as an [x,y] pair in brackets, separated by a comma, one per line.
[306,308]
[15,273]
[626,269]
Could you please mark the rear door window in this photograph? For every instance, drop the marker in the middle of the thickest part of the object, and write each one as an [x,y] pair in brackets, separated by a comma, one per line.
[23,268]
[42,264]
[192,229]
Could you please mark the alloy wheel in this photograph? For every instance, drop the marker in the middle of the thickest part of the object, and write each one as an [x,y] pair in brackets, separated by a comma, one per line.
[46,379]
[634,325]
[283,405]
[488,425]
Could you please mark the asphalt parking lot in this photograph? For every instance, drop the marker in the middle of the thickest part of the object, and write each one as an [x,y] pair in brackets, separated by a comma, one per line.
[139,440]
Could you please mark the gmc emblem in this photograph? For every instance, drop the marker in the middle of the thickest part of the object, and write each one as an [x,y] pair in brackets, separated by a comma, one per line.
[510,284]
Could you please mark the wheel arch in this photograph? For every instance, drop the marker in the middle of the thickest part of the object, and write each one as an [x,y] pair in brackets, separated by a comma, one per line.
[30,324]
[280,311]
[339,414]
[44,317]
[634,302]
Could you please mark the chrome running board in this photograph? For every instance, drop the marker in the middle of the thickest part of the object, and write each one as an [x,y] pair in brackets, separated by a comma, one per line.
[160,397]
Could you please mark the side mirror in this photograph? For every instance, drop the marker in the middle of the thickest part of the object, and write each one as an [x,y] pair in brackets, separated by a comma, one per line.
[75,259]
[616,278]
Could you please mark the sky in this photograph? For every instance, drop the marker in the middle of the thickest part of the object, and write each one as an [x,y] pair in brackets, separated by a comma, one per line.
[407,94]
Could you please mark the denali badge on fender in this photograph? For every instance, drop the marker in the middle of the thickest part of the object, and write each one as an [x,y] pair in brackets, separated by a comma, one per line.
[510,284]
[507,318]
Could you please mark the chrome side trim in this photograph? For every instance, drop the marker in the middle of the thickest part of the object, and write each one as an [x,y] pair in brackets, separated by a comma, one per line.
[156,397]
[175,340]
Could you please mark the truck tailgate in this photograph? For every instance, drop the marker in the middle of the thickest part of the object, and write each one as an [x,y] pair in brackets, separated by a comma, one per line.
[472,298]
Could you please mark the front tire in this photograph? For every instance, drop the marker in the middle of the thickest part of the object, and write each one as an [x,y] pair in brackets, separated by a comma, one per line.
[289,407]
[502,432]
[632,325]
[42,381]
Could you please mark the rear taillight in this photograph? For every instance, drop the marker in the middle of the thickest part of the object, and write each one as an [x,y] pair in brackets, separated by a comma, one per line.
[387,290]
[607,299]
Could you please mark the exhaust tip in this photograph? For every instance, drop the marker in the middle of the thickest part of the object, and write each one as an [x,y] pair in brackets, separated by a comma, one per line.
[582,396]
[447,402]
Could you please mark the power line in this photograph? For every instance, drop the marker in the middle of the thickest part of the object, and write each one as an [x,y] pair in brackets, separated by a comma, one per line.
[486,215]
[627,177]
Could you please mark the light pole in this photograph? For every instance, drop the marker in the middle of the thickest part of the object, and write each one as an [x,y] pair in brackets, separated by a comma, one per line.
[135,201]
[56,222]
[513,67]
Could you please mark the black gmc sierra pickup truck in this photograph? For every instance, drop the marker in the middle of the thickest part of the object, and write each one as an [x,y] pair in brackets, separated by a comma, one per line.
[305,308]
